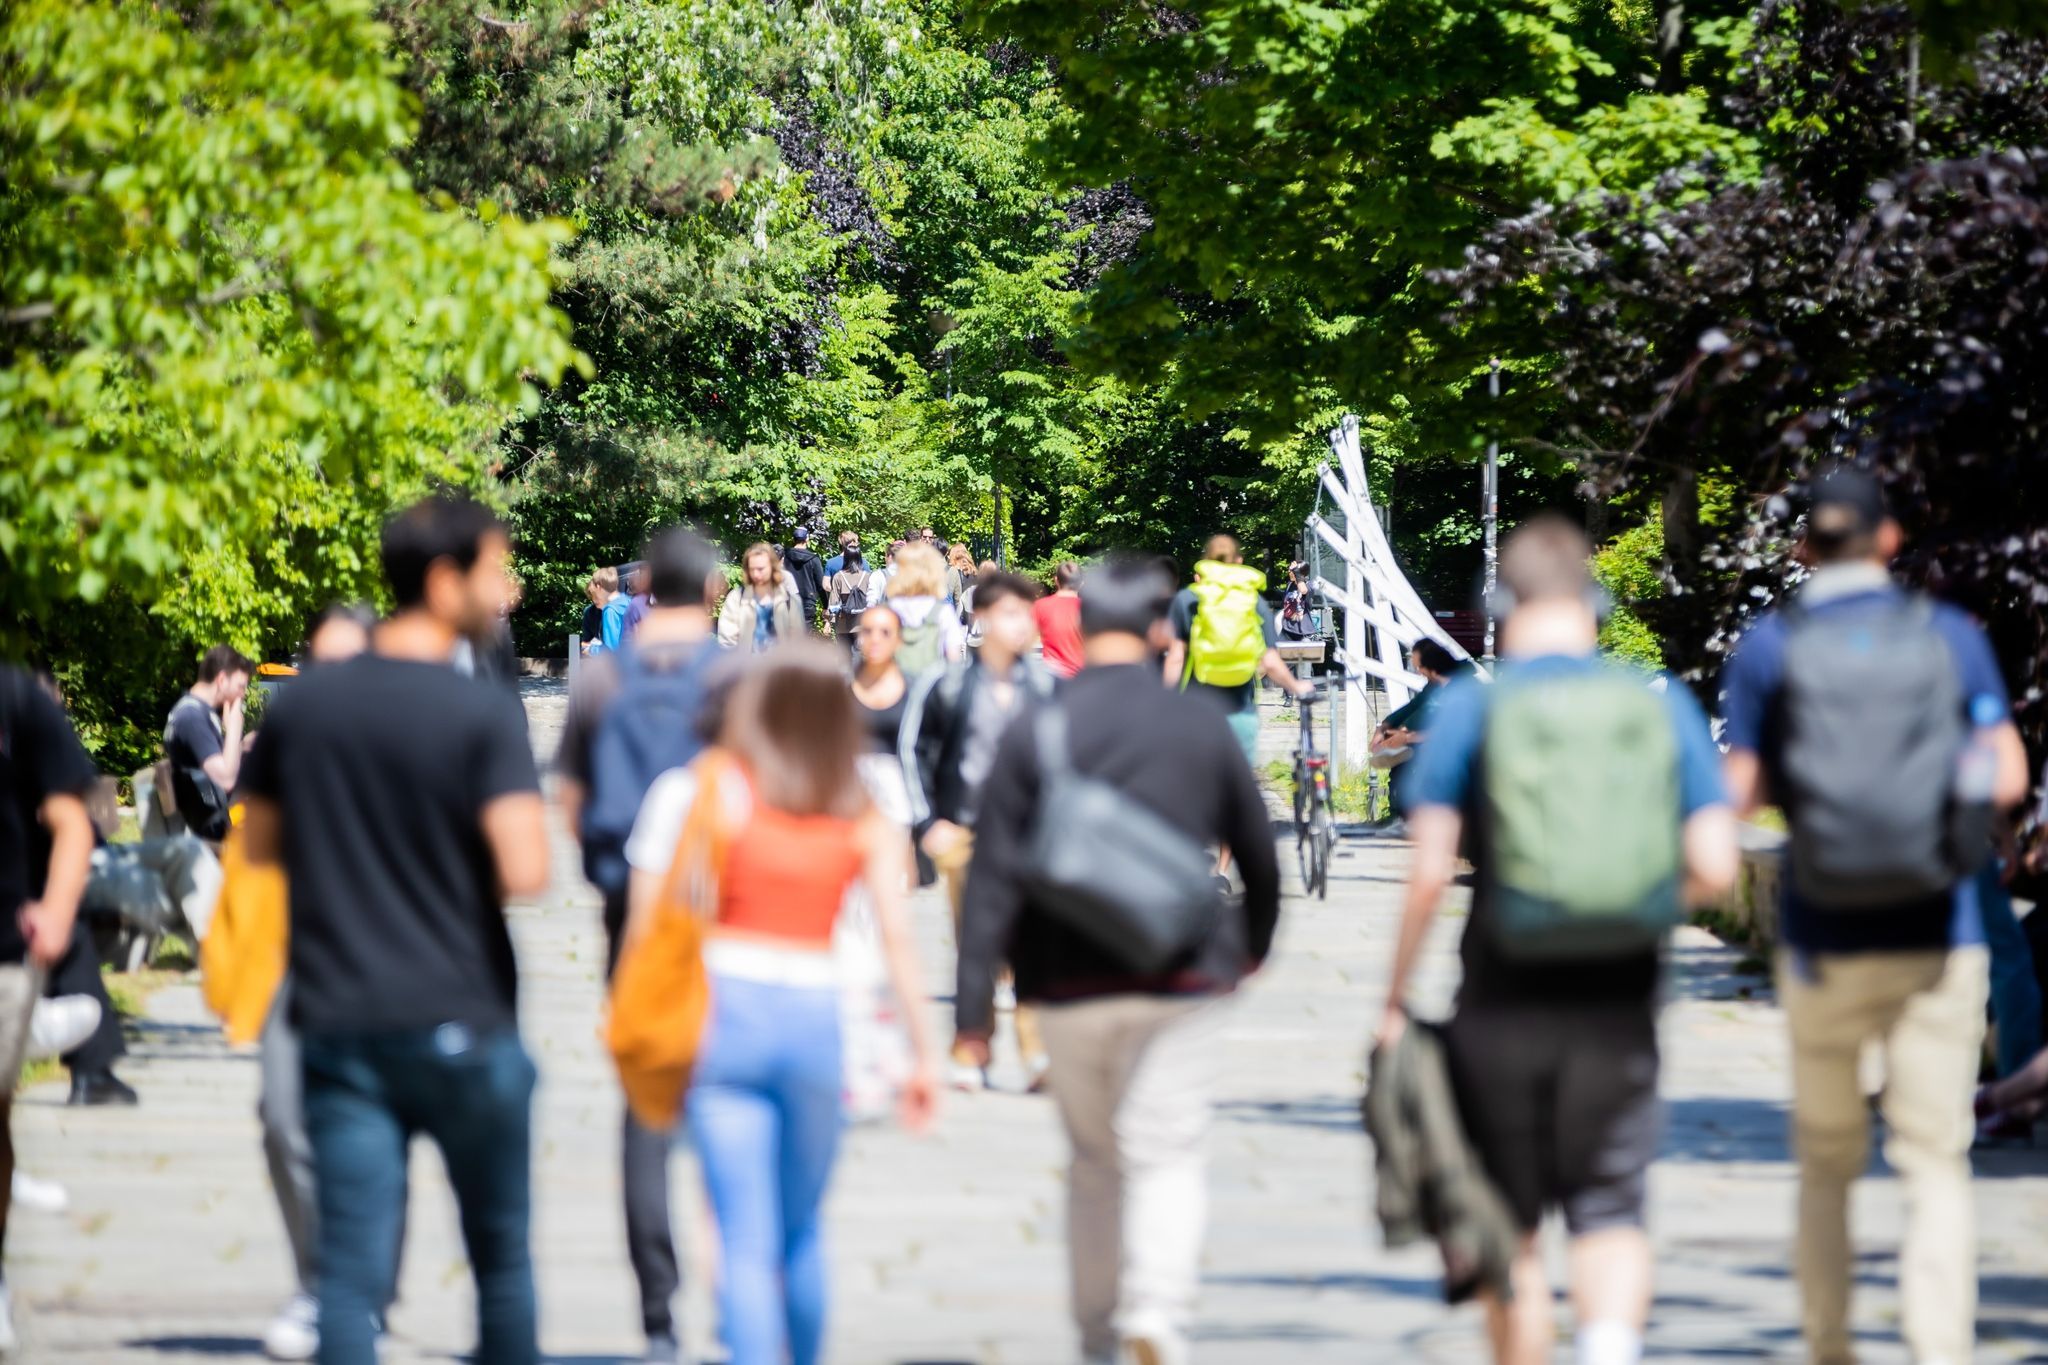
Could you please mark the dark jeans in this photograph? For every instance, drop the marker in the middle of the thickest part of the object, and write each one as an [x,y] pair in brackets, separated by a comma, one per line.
[643,1161]
[366,1095]
[78,973]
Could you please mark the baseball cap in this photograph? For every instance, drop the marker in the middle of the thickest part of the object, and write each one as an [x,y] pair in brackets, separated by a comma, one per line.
[1844,502]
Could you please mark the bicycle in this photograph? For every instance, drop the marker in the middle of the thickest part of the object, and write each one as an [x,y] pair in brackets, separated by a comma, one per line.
[1315,825]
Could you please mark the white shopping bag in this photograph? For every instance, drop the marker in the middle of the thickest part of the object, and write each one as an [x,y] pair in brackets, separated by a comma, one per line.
[875,1044]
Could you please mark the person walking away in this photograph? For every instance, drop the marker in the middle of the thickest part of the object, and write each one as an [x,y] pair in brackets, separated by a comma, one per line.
[244,965]
[1225,640]
[1878,722]
[854,590]
[807,571]
[950,731]
[46,840]
[932,634]
[1059,621]
[1133,1052]
[401,800]
[960,576]
[68,984]
[799,832]
[203,743]
[765,608]
[1597,811]
[631,719]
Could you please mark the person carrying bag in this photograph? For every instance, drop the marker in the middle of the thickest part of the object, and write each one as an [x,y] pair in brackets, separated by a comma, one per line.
[728,988]
[661,992]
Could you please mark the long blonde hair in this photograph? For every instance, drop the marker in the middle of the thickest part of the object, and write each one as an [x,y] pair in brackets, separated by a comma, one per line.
[760,547]
[919,572]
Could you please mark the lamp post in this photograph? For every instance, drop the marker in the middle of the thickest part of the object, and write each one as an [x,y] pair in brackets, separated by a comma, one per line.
[1489,506]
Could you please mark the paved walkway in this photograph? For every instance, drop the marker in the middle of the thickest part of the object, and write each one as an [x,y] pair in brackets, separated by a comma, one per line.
[947,1249]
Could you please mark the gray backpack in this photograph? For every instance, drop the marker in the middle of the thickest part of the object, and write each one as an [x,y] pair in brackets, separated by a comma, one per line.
[1873,725]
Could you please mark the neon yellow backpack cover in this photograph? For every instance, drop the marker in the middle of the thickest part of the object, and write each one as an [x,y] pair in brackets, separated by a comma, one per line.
[1228,640]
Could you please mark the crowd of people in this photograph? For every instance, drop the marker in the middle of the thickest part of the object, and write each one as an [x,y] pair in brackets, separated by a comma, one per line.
[758,773]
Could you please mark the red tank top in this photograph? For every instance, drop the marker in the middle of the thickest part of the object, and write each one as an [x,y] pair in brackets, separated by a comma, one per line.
[786,875]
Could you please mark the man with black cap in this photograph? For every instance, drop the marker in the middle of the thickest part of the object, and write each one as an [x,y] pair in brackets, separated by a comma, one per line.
[808,572]
[1879,722]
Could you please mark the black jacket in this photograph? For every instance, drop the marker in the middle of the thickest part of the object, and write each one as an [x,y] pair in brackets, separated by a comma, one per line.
[1172,752]
[809,573]
[935,729]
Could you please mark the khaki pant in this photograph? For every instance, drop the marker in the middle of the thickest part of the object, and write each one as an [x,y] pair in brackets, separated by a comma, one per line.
[1924,1012]
[953,868]
[1133,1076]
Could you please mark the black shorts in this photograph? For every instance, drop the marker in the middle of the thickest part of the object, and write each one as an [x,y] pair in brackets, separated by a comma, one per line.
[1561,1105]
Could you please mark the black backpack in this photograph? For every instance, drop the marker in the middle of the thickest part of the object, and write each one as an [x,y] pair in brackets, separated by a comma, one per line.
[1873,726]
[199,800]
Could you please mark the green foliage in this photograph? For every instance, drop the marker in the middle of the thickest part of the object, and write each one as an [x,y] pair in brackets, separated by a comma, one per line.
[234,334]
[1303,164]
[1628,568]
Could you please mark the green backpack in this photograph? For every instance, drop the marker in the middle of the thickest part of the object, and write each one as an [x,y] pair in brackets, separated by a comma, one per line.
[1228,639]
[1581,806]
[924,645]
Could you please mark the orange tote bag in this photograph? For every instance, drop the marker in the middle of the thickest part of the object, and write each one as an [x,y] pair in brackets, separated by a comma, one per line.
[661,990]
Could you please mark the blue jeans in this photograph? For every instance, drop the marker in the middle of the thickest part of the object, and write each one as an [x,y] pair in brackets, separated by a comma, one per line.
[764,1114]
[2015,991]
[366,1095]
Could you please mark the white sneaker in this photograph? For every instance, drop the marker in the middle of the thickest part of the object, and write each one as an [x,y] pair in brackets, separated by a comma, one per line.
[38,1196]
[8,1340]
[61,1023]
[1151,1343]
[295,1333]
[966,1076]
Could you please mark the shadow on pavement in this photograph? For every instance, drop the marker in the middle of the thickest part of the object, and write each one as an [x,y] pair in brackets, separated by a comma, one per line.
[1426,1287]
[1720,1128]
[1318,1111]
[198,1346]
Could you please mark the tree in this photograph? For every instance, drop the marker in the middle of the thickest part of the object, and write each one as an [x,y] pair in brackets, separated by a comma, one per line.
[1302,163]
[232,333]
[1878,294]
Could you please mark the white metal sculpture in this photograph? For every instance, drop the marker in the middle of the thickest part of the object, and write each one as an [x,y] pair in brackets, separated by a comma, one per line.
[1383,614]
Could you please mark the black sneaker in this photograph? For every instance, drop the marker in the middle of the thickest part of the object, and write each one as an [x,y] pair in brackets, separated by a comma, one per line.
[101,1087]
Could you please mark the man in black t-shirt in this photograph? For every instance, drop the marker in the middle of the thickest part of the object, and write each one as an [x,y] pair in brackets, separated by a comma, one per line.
[203,741]
[46,840]
[402,800]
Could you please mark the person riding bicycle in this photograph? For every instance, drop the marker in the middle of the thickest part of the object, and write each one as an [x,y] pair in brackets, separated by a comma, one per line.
[1225,639]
